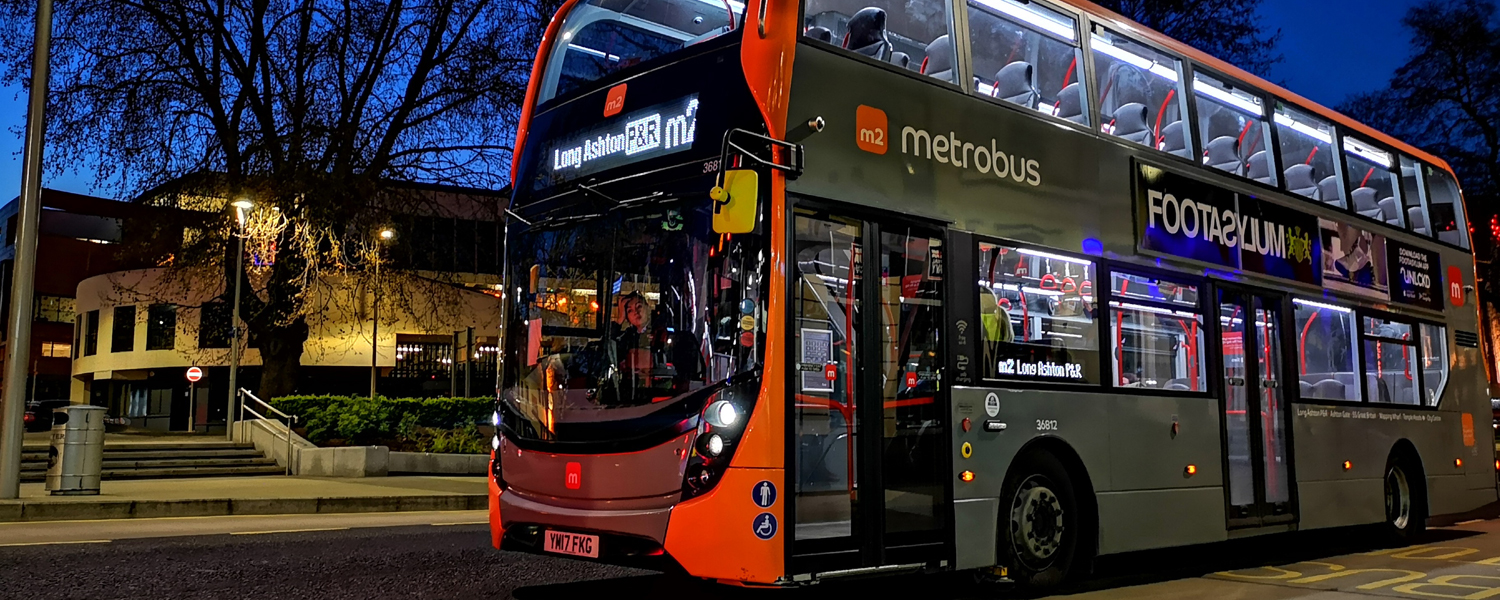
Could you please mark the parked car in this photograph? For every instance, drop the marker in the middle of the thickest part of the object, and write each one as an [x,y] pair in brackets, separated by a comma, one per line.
[39,414]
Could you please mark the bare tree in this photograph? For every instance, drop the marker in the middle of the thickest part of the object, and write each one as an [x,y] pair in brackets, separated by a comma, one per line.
[307,107]
[1227,29]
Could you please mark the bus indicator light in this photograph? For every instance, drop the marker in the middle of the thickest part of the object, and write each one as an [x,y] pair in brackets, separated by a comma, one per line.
[967,424]
[966,476]
[1348,465]
[1458,463]
[1190,470]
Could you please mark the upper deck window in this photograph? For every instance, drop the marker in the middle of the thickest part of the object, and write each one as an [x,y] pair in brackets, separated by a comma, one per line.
[1140,93]
[1231,121]
[599,37]
[1413,198]
[1307,157]
[1372,181]
[1446,208]
[1028,54]
[911,35]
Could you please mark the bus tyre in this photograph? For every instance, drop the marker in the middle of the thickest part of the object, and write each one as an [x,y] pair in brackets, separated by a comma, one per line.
[1405,510]
[1039,522]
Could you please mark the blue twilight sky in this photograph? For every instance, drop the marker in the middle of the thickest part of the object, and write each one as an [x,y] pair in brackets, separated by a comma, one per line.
[1333,48]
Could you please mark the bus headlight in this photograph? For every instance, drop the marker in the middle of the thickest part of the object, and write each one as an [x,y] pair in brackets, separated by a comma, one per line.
[710,444]
[722,413]
[496,418]
[495,443]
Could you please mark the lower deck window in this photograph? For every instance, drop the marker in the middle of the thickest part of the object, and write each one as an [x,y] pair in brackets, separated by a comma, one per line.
[1390,362]
[1326,351]
[1038,313]
[1157,331]
[1434,362]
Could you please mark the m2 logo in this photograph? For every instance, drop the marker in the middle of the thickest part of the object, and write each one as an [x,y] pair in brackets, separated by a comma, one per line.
[870,125]
[614,101]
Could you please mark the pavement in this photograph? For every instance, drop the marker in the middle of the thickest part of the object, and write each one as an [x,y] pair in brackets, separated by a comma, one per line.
[267,495]
[447,555]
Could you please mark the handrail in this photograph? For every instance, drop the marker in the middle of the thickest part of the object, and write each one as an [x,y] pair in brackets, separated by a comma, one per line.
[290,420]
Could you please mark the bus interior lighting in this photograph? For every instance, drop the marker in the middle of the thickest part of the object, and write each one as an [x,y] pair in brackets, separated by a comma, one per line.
[734,5]
[1040,254]
[1285,120]
[1032,17]
[1134,60]
[1322,305]
[1248,104]
[1360,149]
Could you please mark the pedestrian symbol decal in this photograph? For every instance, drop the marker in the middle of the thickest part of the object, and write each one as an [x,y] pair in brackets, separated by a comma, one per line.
[764,494]
[765,526]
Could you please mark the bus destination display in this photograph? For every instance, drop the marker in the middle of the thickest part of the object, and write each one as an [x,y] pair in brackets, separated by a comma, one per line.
[644,134]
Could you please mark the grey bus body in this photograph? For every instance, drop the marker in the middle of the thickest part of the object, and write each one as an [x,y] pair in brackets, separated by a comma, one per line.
[1132,447]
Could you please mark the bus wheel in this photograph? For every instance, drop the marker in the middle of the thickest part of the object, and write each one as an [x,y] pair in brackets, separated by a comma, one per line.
[1405,515]
[1040,537]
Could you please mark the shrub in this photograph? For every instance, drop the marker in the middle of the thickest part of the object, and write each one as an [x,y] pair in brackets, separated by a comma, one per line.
[358,420]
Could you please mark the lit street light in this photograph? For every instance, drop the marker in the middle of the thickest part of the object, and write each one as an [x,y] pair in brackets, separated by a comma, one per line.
[385,235]
[241,206]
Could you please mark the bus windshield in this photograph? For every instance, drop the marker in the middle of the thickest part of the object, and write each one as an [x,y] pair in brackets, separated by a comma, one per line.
[600,37]
[624,318]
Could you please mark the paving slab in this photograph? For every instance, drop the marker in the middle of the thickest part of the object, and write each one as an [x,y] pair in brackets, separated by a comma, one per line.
[268,495]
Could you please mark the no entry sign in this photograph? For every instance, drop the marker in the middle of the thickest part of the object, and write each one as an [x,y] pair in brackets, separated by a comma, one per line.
[194,374]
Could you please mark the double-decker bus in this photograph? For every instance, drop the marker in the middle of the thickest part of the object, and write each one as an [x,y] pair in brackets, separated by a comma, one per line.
[798,289]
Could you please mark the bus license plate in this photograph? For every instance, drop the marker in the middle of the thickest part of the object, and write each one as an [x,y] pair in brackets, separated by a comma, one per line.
[572,544]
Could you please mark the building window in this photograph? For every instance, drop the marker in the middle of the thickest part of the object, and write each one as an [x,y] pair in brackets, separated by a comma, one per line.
[422,360]
[1390,362]
[1157,330]
[1327,347]
[54,309]
[91,333]
[57,350]
[1038,313]
[161,327]
[215,327]
[1434,362]
[122,335]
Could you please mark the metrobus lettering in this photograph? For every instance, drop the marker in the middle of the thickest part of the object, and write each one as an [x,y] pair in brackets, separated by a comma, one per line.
[1224,227]
[950,150]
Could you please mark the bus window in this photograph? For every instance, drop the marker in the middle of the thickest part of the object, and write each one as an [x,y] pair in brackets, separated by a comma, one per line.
[1414,200]
[1434,362]
[1372,181]
[1027,54]
[1140,95]
[1446,209]
[911,35]
[1157,329]
[1307,156]
[1390,362]
[604,36]
[1231,123]
[1038,313]
[1326,351]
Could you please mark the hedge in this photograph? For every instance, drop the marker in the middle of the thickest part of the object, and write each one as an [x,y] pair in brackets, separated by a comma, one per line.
[358,420]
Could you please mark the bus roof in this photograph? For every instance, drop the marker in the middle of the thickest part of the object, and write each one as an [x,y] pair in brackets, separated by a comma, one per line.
[1131,27]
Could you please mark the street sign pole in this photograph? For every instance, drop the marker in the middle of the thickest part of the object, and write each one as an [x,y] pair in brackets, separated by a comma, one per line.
[18,350]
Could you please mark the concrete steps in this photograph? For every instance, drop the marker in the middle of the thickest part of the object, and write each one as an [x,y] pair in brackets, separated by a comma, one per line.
[164,460]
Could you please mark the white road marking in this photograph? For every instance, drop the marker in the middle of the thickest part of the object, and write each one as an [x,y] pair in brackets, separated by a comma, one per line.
[54,543]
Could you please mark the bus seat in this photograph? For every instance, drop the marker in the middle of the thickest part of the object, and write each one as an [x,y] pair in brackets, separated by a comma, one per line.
[901,59]
[1014,83]
[1329,389]
[1173,139]
[1364,203]
[1131,123]
[1452,236]
[1390,211]
[1178,387]
[1259,168]
[867,34]
[1306,389]
[939,61]
[1299,180]
[1328,190]
[822,34]
[1070,104]
[1416,221]
[1223,153]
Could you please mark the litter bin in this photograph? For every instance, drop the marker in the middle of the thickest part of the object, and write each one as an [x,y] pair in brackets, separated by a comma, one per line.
[76,457]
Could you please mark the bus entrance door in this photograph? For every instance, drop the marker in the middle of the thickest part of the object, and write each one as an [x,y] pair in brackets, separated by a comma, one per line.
[869,422]
[1257,474]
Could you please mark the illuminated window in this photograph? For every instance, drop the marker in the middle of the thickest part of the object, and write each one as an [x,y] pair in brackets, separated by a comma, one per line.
[1157,330]
[1140,93]
[1434,362]
[1326,351]
[1390,362]
[57,349]
[909,34]
[54,309]
[1038,311]
[1232,125]
[1027,54]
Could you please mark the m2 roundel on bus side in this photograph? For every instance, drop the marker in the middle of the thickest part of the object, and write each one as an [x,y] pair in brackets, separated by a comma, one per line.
[870,129]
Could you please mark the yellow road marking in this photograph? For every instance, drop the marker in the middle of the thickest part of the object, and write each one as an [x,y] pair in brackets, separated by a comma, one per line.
[54,543]
[288,531]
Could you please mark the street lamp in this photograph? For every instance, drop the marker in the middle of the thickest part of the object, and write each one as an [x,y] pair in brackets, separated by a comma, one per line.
[385,235]
[241,206]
